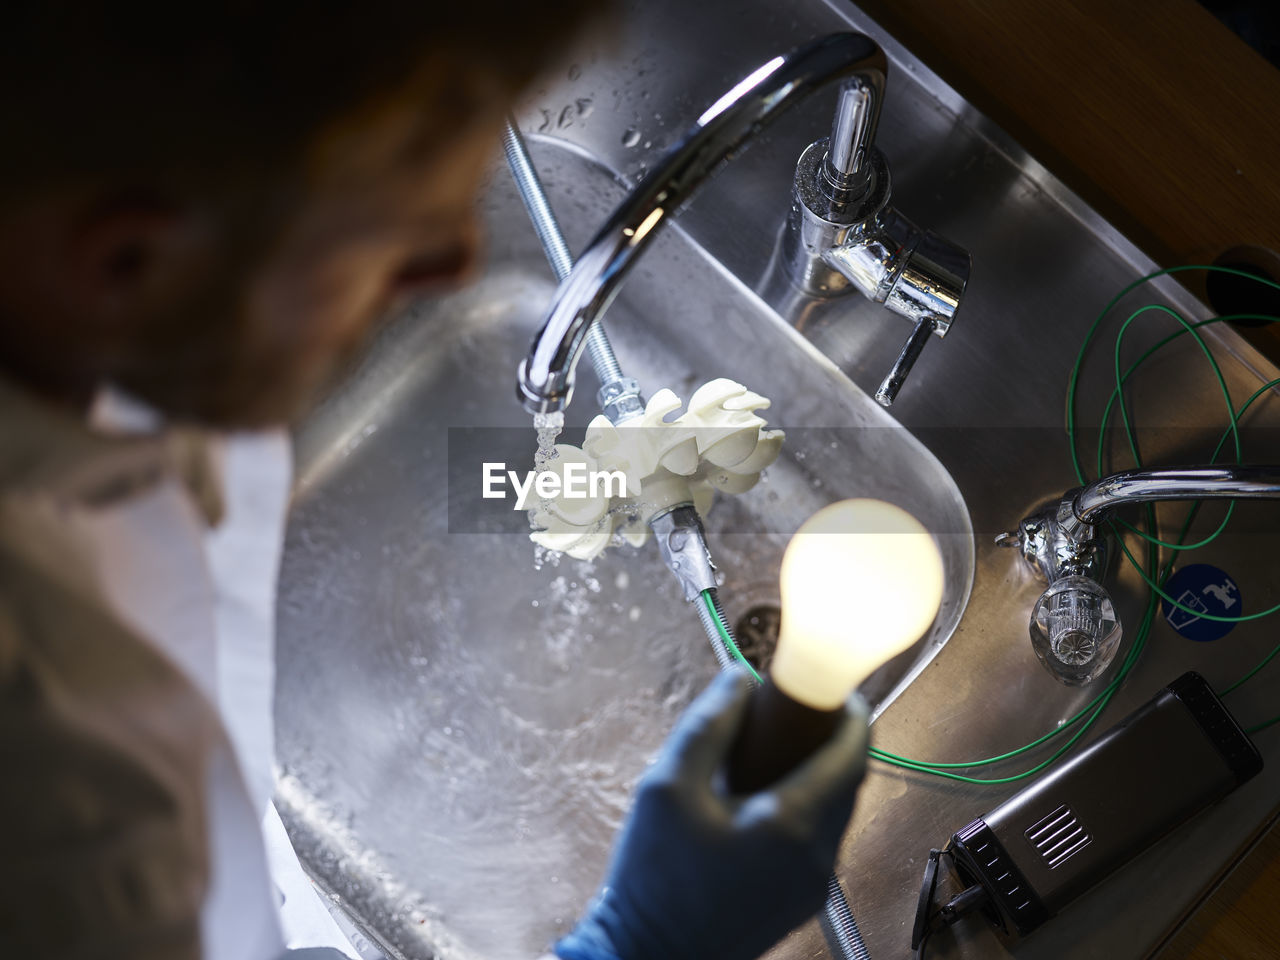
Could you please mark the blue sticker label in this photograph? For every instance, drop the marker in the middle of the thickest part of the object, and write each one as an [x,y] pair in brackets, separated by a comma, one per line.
[1203,588]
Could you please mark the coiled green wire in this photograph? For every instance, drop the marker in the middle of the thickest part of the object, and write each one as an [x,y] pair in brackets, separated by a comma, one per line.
[1232,431]
[1152,574]
[723,629]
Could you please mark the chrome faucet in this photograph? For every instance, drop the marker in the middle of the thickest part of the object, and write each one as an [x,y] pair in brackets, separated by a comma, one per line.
[845,234]
[842,234]
[1074,628]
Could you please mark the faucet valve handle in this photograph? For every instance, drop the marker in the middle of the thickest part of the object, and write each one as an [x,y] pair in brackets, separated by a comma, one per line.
[927,291]
[889,387]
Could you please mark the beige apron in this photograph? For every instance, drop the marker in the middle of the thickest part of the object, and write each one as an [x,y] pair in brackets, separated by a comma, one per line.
[137,582]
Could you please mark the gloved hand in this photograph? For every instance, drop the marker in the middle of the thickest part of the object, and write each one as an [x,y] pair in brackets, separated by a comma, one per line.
[701,875]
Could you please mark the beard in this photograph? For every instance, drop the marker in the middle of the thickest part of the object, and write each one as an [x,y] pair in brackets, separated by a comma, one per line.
[220,366]
[217,357]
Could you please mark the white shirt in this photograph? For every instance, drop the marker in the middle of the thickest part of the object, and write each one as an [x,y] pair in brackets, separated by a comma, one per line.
[177,535]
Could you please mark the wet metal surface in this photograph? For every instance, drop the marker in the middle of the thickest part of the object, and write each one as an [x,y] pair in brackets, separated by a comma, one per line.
[458,731]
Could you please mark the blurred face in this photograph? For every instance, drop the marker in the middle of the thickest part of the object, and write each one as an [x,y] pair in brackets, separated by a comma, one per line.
[233,309]
[384,219]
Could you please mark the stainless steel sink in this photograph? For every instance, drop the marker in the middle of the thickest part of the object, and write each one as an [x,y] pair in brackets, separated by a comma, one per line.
[458,730]
[472,725]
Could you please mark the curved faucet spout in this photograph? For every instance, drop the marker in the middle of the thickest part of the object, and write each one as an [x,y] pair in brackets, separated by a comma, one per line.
[545,379]
[1074,628]
[1243,482]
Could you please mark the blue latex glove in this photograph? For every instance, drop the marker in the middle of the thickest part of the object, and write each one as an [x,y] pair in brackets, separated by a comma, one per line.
[698,874]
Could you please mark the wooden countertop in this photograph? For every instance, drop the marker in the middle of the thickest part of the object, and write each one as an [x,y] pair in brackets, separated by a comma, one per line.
[1152,110]
[1239,921]
[1169,126]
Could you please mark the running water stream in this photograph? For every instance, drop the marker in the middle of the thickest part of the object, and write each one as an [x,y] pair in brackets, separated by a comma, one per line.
[548,426]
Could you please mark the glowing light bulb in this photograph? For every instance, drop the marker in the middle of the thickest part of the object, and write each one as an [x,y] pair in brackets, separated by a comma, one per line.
[861,582]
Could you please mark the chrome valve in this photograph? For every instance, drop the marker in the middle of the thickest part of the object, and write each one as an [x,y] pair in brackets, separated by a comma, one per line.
[1074,627]
[843,235]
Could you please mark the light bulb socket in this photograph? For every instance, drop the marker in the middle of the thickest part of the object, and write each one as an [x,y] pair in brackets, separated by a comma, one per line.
[777,734]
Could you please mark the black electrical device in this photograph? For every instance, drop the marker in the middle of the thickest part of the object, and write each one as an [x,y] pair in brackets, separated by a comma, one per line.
[1045,846]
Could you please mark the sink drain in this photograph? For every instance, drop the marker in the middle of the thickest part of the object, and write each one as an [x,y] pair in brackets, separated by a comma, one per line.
[756,634]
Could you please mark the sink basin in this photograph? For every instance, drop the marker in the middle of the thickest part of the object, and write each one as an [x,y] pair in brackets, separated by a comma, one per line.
[459,730]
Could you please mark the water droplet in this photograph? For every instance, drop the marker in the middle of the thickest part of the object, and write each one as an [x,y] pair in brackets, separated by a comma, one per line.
[566,117]
[584,106]
[546,121]
[631,137]
[575,72]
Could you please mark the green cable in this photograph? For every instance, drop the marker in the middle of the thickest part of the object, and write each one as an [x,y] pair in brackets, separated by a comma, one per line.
[1118,397]
[1232,430]
[939,769]
[1276,650]
[1124,416]
[1126,665]
[1262,726]
[1187,328]
[1101,700]
[1265,660]
[1115,394]
[725,638]
[1243,618]
[1066,724]
[1074,379]
[1095,707]
[1133,368]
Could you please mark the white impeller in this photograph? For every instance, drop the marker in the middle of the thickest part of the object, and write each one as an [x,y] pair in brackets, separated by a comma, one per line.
[718,443]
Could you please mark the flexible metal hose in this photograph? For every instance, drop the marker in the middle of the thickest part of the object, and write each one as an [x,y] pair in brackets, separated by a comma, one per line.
[723,657]
[605,363]
[843,926]
[836,910]
[545,225]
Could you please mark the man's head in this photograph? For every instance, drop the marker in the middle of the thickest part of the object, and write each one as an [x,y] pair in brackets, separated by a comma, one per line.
[210,207]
